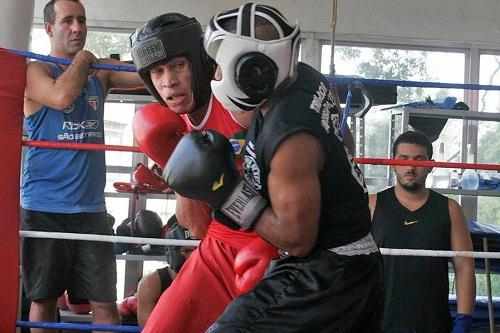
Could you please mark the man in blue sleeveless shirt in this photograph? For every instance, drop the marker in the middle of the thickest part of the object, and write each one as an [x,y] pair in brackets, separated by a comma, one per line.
[409,215]
[63,190]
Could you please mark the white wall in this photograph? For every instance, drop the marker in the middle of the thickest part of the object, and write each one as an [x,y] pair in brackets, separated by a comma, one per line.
[435,21]
[16,18]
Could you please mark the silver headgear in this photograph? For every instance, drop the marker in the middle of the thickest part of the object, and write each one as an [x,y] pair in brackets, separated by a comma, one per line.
[251,67]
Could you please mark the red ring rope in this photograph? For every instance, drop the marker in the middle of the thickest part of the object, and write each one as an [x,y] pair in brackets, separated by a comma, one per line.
[360,160]
[80,146]
[453,165]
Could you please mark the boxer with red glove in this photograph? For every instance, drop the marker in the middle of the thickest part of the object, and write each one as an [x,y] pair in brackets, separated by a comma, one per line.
[208,274]
[252,262]
[157,131]
[203,167]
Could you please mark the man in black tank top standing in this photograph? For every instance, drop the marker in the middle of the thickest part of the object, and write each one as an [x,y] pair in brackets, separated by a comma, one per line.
[411,216]
[301,190]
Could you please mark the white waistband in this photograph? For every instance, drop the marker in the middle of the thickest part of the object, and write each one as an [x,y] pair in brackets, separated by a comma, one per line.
[365,245]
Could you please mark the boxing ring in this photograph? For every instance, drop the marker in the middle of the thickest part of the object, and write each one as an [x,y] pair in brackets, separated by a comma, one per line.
[13,68]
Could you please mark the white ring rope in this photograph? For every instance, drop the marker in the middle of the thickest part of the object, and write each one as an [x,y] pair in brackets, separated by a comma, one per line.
[439,253]
[107,238]
[178,242]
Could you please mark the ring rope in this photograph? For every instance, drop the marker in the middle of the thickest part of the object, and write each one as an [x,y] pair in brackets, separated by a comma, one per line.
[345,80]
[80,146]
[107,238]
[110,67]
[451,165]
[439,253]
[332,79]
[77,327]
[177,242]
[360,160]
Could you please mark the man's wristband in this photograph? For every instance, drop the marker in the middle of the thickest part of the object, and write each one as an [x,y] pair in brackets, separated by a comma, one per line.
[244,206]
[463,323]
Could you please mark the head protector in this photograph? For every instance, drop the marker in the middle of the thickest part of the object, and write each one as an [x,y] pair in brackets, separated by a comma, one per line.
[173,254]
[252,66]
[168,36]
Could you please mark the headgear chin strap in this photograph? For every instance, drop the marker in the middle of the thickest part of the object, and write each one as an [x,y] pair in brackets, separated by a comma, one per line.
[168,36]
[251,67]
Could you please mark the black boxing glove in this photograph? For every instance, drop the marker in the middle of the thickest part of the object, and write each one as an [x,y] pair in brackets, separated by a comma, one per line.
[202,167]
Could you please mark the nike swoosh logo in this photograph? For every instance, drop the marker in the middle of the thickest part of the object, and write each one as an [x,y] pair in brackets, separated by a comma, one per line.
[218,184]
[410,222]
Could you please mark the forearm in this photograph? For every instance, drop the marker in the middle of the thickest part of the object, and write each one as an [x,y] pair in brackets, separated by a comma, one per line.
[466,286]
[122,79]
[193,215]
[288,232]
[68,86]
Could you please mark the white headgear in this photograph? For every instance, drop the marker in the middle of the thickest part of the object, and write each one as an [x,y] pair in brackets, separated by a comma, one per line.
[251,67]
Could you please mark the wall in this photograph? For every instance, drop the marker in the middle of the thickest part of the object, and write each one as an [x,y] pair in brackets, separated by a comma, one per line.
[16,18]
[429,21]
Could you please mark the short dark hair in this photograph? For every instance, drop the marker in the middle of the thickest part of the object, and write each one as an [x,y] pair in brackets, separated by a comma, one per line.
[414,137]
[48,11]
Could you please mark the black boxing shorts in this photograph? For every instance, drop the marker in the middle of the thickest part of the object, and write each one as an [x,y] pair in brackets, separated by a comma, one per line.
[324,292]
[87,269]
[165,279]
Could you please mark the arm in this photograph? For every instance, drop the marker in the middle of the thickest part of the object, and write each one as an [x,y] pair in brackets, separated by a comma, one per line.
[193,215]
[295,195]
[43,89]
[202,167]
[121,79]
[148,293]
[372,203]
[463,267]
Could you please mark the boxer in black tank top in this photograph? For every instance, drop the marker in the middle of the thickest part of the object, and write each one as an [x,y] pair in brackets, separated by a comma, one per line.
[312,197]
[412,217]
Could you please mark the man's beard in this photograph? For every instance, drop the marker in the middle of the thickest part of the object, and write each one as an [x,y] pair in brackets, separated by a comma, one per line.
[412,187]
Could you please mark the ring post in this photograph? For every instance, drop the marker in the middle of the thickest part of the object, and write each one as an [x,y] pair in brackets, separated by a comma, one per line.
[12,85]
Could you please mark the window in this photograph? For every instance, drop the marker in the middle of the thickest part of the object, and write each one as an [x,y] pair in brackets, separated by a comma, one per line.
[399,64]
[102,44]
[488,137]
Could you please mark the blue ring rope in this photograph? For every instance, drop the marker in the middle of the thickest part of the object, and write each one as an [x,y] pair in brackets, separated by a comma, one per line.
[78,327]
[27,54]
[417,84]
[331,79]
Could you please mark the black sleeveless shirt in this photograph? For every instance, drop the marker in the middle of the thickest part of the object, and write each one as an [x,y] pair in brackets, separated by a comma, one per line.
[165,279]
[416,288]
[307,106]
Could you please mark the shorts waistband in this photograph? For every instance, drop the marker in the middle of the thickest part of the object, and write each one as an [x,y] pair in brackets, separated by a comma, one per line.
[365,245]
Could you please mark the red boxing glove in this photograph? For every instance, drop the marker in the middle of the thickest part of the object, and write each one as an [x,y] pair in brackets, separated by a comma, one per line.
[128,306]
[157,131]
[251,263]
[149,178]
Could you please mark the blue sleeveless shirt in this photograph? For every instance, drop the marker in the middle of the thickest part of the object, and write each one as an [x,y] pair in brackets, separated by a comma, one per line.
[63,180]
